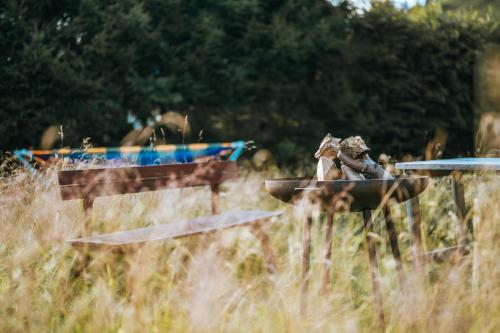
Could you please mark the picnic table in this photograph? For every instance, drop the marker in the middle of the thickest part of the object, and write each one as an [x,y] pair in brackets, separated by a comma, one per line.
[455,167]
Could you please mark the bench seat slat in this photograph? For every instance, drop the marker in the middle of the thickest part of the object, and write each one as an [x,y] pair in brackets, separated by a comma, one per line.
[79,191]
[92,183]
[176,229]
[207,171]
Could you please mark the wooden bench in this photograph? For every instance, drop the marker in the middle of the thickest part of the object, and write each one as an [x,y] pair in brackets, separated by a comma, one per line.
[93,183]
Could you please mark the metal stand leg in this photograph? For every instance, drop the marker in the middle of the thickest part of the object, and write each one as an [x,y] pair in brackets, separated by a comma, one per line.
[328,253]
[413,213]
[457,187]
[305,264]
[476,222]
[393,240]
[372,256]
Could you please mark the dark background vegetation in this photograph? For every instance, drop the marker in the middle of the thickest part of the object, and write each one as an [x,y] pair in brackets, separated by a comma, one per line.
[282,73]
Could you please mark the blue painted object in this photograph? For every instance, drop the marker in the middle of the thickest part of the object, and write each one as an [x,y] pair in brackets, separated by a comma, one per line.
[142,156]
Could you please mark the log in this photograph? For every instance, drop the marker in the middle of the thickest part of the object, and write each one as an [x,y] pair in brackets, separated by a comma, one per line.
[353,153]
[351,174]
[354,146]
[365,165]
[328,147]
[327,170]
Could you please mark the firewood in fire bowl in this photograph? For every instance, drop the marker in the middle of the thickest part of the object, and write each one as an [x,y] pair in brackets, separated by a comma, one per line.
[352,152]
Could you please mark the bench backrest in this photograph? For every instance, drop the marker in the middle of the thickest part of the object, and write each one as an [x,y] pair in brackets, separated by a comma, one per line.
[92,183]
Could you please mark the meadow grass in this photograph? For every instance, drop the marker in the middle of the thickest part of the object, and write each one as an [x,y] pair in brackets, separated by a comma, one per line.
[219,282]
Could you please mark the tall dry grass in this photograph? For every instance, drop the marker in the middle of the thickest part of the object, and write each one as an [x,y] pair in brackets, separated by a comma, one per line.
[220,282]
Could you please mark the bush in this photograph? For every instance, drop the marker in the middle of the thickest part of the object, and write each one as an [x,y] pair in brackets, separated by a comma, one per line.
[281,73]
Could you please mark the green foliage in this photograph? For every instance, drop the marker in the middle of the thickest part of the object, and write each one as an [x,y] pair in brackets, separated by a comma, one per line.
[282,73]
[483,6]
[411,76]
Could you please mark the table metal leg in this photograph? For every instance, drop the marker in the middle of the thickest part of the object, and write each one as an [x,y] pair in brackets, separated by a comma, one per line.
[306,253]
[476,246]
[393,240]
[372,256]
[328,253]
[457,187]
[413,215]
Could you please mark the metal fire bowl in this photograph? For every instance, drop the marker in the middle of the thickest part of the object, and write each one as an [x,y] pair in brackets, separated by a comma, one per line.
[357,194]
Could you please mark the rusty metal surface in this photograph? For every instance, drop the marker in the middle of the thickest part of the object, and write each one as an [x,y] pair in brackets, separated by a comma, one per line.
[92,183]
[177,229]
[360,194]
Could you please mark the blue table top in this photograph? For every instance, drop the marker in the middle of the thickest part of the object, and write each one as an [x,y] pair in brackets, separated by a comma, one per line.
[458,164]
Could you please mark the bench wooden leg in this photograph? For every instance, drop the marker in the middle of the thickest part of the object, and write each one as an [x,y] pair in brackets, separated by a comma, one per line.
[88,204]
[214,198]
[136,259]
[372,256]
[266,246]
[83,257]
[457,187]
[306,253]
[413,215]
[393,240]
[328,253]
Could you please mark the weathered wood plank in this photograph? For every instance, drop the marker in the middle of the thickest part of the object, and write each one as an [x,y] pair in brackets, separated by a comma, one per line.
[176,229]
[92,183]
[207,170]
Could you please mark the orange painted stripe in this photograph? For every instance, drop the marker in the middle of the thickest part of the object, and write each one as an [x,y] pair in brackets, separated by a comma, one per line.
[39,160]
[127,149]
[165,148]
[42,152]
[97,150]
[131,149]
[63,151]
[197,146]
